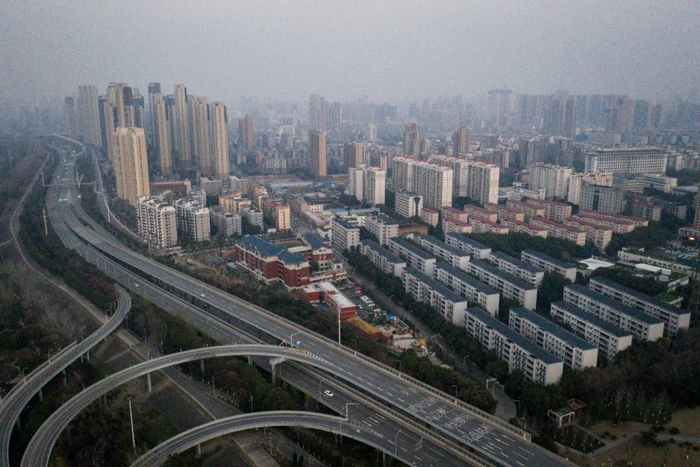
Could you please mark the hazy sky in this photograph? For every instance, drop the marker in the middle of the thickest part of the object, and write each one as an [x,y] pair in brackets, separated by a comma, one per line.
[384,49]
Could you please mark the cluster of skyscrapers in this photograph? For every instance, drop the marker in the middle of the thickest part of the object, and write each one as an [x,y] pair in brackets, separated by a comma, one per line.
[183,132]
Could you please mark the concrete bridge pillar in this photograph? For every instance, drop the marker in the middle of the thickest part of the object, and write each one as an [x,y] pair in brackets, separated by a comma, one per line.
[199,450]
[148,379]
[41,394]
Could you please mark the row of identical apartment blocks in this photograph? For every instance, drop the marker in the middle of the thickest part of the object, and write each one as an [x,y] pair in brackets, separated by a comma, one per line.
[641,325]
[674,318]
[450,289]
[516,350]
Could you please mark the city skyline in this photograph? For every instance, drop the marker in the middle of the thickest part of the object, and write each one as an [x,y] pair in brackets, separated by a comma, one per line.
[432,48]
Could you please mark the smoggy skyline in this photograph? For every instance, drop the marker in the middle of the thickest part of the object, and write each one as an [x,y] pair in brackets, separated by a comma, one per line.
[393,50]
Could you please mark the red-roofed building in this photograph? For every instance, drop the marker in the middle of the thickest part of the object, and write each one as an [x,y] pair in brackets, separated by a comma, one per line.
[562,231]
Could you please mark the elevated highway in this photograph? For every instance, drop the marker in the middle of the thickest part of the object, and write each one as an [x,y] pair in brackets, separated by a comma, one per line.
[490,437]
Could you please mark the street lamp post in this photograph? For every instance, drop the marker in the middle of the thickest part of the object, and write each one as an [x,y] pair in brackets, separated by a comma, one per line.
[396,444]
[131,417]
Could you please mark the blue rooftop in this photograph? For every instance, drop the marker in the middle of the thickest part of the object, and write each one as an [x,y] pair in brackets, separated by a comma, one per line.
[391,257]
[314,240]
[516,262]
[642,297]
[265,248]
[614,304]
[262,246]
[592,319]
[464,277]
[552,328]
[435,285]
[344,223]
[410,247]
[512,336]
[503,275]
[549,259]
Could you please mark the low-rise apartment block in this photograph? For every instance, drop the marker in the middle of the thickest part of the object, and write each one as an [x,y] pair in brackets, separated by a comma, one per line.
[528,210]
[382,258]
[427,290]
[468,287]
[554,211]
[641,325]
[476,211]
[517,268]
[515,226]
[505,212]
[600,236]
[454,226]
[609,339]
[576,353]
[675,318]
[482,225]
[471,247]
[448,212]
[518,352]
[382,227]
[344,235]
[510,286]
[452,256]
[430,216]
[562,231]
[620,226]
[415,257]
[637,221]
[549,264]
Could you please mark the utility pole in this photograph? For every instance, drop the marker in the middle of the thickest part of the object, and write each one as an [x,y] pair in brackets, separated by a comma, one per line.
[131,417]
[46,228]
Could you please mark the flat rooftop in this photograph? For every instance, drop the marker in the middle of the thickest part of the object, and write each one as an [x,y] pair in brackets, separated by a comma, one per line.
[503,275]
[472,243]
[592,319]
[643,297]
[518,339]
[552,328]
[412,248]
[557,262]
[466,278]
[516,262]
[614,304]
[435,285]
[391,257]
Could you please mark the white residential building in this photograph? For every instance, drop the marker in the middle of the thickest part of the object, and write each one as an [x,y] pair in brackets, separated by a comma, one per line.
[517,268]
[468,287]
[452,255]
[344,236]
[460,173]
[430,180]
[641,325]
[425,289]
[483,182]
[628,160]
[227,223]
[510,286]
[415,257]
[367,184]
[408,204]
[382,258]
[519,353]
[473,248]
[577,181]
[553,179]
[253,216]
[576,353]
[157,222]
[382,227]
[193,219]
[549,264]
[675,318]
[609,339]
